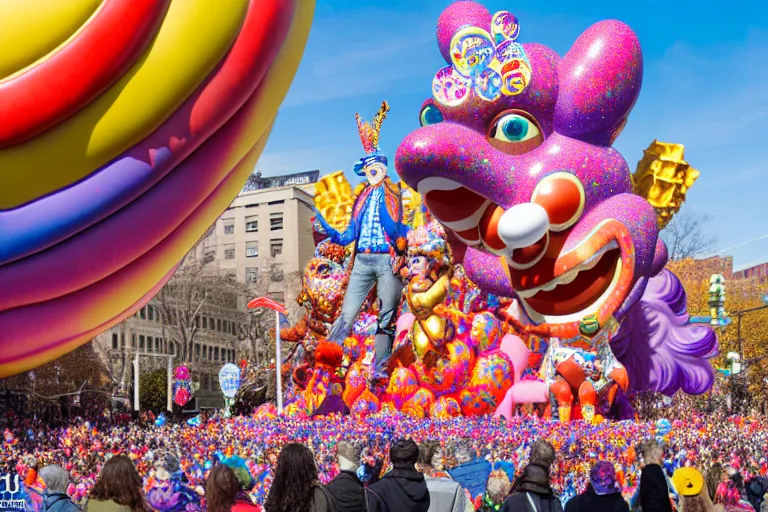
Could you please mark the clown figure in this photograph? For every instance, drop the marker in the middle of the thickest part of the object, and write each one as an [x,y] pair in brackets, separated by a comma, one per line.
[587,366]
[376,229]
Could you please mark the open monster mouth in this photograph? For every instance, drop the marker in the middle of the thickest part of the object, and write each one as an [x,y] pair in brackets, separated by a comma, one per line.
[574,292]
[553,287]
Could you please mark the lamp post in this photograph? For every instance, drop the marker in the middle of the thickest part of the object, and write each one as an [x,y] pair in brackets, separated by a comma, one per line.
[266,302]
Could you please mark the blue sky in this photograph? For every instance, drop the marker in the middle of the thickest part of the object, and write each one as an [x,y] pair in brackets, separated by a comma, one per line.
[705,86]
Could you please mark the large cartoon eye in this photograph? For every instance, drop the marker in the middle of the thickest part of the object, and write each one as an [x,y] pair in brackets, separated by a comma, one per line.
[515,132]
[562,196]
[430,114]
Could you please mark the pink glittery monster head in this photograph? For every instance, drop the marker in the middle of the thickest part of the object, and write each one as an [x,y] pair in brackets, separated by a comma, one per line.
[514,158]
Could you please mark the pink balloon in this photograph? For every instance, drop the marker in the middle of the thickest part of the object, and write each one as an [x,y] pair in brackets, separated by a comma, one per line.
[404,323]
[518,353]
[523,392]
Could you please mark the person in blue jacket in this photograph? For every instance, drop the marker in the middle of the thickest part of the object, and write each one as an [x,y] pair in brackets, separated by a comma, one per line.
[377,231]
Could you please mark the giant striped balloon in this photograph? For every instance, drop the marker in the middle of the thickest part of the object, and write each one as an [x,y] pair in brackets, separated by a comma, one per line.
[126,128]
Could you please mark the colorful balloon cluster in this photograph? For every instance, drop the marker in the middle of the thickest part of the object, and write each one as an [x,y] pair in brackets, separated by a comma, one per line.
[182,386]
[126,128]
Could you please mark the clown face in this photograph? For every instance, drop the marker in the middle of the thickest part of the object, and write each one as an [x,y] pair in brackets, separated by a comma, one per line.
[375,172]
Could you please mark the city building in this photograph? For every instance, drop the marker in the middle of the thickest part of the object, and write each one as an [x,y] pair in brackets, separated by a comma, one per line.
[265,236]
[760,272]
[263,241]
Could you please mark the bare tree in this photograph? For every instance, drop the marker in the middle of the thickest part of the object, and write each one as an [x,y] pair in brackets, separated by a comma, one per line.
[117,363]
[686,236]
[194,292]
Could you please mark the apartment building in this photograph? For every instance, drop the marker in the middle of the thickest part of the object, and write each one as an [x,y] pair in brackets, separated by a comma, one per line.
[265,236]
[264,239]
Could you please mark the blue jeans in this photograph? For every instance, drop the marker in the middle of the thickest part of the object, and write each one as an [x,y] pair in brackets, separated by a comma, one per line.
[370,269]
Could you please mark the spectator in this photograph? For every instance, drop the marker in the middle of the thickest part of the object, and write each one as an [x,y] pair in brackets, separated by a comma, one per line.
[403,489]
[347,490]
[731,493]
[118,488]
[603,492]
[692,488]
[445,495]
[496,491]
[532,491]
[713,480]
[224,492]
[295,487]
[55,497]
[654,491]
[470,472]
[756,489]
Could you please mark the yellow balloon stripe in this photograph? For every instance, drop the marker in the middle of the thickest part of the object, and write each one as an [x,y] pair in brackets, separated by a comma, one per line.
[271,93]
[31,29]
[192,40]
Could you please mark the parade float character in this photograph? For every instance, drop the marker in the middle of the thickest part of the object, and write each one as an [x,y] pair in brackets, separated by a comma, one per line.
[377,234]
[126,129]
[515,159]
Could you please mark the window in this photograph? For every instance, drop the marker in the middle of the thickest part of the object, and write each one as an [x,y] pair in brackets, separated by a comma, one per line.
[205,322]
[141,342]
[216,354]
[226,326]
[133,341]
[229,226]
[230,273]
[142,314]
[206,382]
[252,205]
[114,341]
[210,353]
[275,221]
[252,224]
[211,324]
[157,345]
[205,352]
[172,347]
[276,274]
[149,343]
[218,325]
[209,256]
[251,249]
[279,201]
[276,247]
[122,340]
[229,251]
[251,275]
[197,322]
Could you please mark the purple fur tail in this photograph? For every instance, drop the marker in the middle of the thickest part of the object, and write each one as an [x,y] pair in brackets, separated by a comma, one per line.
[660,351]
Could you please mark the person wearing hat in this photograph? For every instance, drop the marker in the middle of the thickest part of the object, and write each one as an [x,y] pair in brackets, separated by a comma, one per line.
[603,492]
[347,489]
[377,231]
[692,488]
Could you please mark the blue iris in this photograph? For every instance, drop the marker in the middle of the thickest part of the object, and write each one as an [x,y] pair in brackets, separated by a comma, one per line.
[430,115]
[515,129]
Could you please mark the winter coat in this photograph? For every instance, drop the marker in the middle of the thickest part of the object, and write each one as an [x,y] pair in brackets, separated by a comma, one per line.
[243,504]
[654,491]
[400,490]
[445,495]
[592,502]
[58,502]
[532,493]
[105,506]
[347,492]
